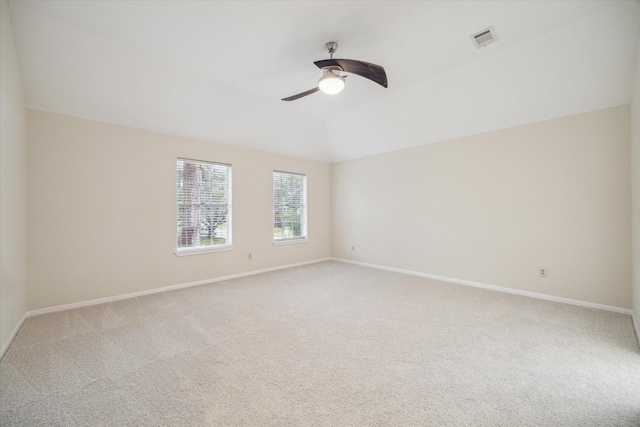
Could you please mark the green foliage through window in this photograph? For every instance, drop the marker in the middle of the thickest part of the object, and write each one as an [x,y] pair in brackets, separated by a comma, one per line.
[204,204]
[289,206]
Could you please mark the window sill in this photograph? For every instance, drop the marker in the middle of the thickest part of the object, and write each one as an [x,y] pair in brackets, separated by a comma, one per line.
[289,241]
[200,251]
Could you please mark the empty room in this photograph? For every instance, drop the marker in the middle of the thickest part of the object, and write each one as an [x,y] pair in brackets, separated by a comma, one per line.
[320,213]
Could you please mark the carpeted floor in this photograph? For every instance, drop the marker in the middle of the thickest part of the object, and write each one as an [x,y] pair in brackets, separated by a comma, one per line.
[324,344]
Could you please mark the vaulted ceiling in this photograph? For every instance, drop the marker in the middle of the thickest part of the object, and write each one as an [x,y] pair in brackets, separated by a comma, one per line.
[216,71]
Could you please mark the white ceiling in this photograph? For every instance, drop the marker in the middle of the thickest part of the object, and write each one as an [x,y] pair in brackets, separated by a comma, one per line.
[217,70]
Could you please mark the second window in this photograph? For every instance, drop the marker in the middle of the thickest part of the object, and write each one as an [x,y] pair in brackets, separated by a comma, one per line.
[289,206]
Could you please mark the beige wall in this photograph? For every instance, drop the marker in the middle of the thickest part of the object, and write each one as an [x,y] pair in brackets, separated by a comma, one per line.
[489,208]
[102,215]
[13,184]
[494,207]
[635,164]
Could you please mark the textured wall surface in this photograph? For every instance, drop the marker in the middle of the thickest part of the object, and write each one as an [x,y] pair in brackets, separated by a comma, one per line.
[635,166]
[102,212]
[13,185]
[493,208]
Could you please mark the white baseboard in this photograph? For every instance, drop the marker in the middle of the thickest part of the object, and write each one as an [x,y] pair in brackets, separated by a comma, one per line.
[164,289]
[494,287]
[97,301]
[266,270]
[13,334]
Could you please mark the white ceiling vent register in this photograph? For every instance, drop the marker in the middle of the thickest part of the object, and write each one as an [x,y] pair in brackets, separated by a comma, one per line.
[484,37]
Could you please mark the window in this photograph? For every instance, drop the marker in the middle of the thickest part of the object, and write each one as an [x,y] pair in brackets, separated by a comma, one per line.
[204,206]
[289,207]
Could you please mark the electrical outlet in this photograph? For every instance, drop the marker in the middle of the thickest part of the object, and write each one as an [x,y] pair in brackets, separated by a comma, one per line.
[542,272]
[250,257]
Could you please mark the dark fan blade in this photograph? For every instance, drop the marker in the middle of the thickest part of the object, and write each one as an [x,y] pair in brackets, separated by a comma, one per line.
[300,95]
[367,70]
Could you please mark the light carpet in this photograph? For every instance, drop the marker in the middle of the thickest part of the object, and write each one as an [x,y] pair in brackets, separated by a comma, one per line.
[325,344]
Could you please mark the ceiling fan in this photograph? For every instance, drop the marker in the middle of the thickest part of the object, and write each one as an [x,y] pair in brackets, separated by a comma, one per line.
[332,81]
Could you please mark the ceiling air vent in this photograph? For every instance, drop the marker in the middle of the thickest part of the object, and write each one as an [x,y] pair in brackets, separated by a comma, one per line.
[484,37]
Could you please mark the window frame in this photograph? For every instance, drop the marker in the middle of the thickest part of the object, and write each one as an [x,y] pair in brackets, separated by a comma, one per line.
[303,215]
[228,245]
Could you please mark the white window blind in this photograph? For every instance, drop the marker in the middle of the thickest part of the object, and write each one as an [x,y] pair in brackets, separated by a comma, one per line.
[204,205]
[289,206]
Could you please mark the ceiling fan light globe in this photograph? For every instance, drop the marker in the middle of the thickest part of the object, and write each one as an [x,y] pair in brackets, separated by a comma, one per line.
[331,84]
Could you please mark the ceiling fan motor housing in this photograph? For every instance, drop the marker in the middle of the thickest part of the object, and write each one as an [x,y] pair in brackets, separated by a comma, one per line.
[335,70]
